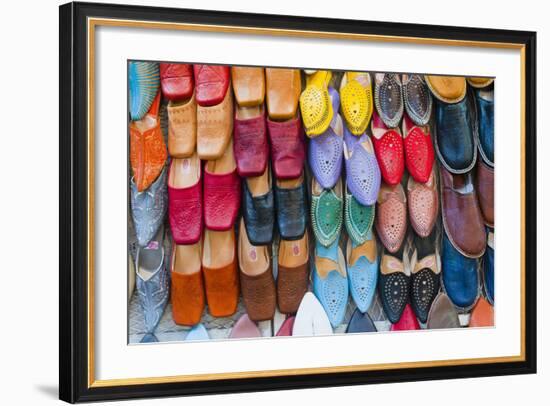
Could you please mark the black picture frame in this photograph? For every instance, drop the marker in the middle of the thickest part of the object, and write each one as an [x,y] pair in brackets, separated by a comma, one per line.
[73,284]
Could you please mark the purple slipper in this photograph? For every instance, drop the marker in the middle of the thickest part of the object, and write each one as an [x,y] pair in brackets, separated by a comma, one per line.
[325,151]
[362,171]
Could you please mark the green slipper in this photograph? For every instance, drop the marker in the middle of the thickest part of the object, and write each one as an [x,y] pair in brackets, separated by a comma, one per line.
[359,219]
[327,208]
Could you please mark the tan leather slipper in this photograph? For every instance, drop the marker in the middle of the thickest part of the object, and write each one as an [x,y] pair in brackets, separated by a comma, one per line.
[257,283]
[214,128]
[248,85]
[182,128]
[293,273]
[283,88]
[448,89]
[479,82]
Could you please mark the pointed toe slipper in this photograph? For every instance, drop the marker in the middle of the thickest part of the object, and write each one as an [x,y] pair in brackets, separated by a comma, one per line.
[286,328]
[214,128]
[391,216]
[442,313]
[182,128]
[143,85]
[311,319]
[417,98]
[363,175]
[419,151]
[360,322]
[293,274]
[389,149]
[248,85]
[330,281]
[425,276]
[362,263]
[176,81]
[245,328]
[327,207]
[393,286]
[212,83]
[448,89]
[482,314]
[222,192]
[407,321]
[423,204]
[197,333]
[250,140]
[388,98]
[283,87]
[148,152]
[356,101]
[315,104]
[185,206]
[149,338]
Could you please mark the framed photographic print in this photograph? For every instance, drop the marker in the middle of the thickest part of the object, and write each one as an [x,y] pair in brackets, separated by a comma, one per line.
[256,202]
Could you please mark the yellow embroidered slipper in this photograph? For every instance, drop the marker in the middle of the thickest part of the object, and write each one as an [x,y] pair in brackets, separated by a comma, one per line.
[356,101]
[315,104]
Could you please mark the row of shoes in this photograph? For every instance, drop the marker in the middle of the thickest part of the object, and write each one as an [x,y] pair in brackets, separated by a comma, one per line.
[193,191]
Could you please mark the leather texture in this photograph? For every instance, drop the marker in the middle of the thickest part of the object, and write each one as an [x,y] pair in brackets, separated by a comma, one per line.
[327,215]
[390,152]
[148,208]
[147,150]
[388,98]
[460,276]
[407,321]
[214,128]
[417,99]
[362,261]
[485,133]
[423,204]
[485,189]
[454,136]
[393,287]
[391,217]
[222,199]
[143,85]
[185,212]
[489,273]
[212,82]
[482,314]
[292,284]
[222,288]
[248,85]
[448,89]
[363,176]
[331,289]
[442,313]
[182,128]
[479,82]
[259,295]
[176,80]
[287,147]
[291,207]
[419,151]
[461,214]
[283,88]
[259,216]
[250,145]
[360,322]
[286,328]
[359,219]
[188,298]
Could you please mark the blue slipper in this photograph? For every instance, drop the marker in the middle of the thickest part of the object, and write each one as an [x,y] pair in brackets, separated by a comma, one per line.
[143,82]
[362,263]
[360,323]
[197,333]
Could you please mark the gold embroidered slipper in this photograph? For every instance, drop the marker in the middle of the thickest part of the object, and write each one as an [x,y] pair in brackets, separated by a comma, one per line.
[356,101]
[316,105]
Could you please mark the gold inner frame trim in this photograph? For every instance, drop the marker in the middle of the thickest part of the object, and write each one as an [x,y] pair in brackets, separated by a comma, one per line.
[94,22]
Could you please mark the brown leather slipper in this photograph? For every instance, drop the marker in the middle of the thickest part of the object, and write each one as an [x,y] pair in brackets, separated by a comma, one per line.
[482,314]
[283,88]
[214,128]
[248,85]
[293,273]
[257,283]
[187,293]
[182,128]
[259,185]
[448,89]
[219,263]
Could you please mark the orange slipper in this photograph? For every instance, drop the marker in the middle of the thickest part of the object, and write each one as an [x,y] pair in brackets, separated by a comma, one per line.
[182,128]
[187,284]
[248,85]
[219,264]
[283,88]
[482,314]
[448,89]
[147,148]
[214,128]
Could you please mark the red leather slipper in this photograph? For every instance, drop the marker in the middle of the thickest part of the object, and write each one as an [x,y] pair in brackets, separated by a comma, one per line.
[407,321]
[212,82]
[250,141]
[176,80]
[287,147]
[419,150]
[389,150]
[286,328]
